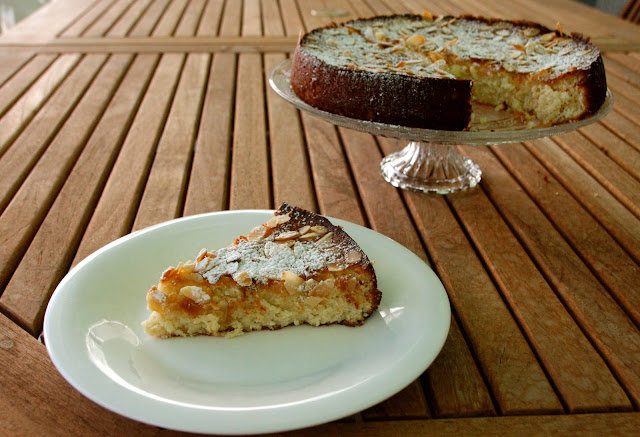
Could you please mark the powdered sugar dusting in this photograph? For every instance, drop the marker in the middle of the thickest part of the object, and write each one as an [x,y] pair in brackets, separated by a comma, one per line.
[419,47]
[263,260]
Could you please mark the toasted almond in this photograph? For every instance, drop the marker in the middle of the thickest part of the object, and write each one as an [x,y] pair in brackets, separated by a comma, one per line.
[303,230]
[292,282]
[257,233]
[353,256]
[313,301]
[319,229]
[427,16]
[277,220]
[308,236]
[287,235]
[243,279]
[195,293]
[548,36]
[415,40]
[309,285]
[334,267]
[325,240]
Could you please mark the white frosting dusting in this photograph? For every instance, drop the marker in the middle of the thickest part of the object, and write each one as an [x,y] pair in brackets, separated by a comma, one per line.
[266,259]
[420,47]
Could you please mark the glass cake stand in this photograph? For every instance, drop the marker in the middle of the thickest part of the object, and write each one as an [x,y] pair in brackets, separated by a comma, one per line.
[432,162]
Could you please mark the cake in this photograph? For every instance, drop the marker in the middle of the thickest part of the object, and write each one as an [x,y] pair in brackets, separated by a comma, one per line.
[297,268]
[424,71]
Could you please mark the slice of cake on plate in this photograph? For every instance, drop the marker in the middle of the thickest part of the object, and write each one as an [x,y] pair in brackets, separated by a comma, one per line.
[297,268]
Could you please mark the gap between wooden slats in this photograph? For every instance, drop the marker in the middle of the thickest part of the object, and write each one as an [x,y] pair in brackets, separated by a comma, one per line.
[25,109]
[20,83]
[45,259]
[622,185]
[482,312]
[592,242]
[613,216]
[11,61]
[604,323]
[84,20]
[290,174]
[574,367]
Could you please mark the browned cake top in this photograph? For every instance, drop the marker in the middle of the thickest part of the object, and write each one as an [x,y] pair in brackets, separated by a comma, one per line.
[293,240]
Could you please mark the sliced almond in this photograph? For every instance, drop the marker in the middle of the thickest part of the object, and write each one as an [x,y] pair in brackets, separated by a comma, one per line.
[318,229]
[313,301]
[415,40]
[196,294]
[548,36]
[334,267]
[287,235]
[303,230]
[308,236]
[325,240]
[257,233]
[243,279]
[292,282]
[277,220]
[352,257]
[531,31]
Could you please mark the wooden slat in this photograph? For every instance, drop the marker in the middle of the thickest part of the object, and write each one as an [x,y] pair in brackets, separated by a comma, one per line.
[483,314]
[11,60]
[604,256]
[25,151]
[107,20]
[170,18]
[20,83]
[36,400]
[387,215]
[115,212]
[289,160]
[249,185]
[578,373]
[617,219]
[210,20]
[27,106]
[128,20]
[603,322]
[47,21]
[614,148]
[587,424]
[163,196]
[624,187]
[85,20]
[149,20]
[66,218]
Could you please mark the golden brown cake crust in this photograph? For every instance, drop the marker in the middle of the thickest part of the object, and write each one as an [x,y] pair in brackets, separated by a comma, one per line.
[417,100]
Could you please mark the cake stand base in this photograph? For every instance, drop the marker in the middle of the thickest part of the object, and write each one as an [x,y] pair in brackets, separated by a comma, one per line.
[430,168]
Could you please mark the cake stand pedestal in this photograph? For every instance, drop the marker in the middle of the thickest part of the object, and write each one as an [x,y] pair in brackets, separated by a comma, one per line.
[432,162]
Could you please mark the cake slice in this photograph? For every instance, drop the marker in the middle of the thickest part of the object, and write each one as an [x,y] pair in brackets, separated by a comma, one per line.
[296,268]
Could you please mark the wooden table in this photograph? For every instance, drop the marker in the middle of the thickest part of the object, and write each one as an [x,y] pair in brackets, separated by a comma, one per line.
[119,114]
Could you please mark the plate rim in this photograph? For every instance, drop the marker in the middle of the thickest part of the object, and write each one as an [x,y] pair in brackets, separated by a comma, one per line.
[355,407]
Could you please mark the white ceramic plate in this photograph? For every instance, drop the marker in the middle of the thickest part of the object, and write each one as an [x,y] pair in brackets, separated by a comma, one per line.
[259,382]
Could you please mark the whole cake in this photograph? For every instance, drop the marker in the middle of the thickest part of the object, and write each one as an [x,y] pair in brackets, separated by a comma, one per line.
[423,71]
[296,268]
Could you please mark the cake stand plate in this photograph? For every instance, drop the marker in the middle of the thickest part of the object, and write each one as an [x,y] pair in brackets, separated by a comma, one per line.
[432,162]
